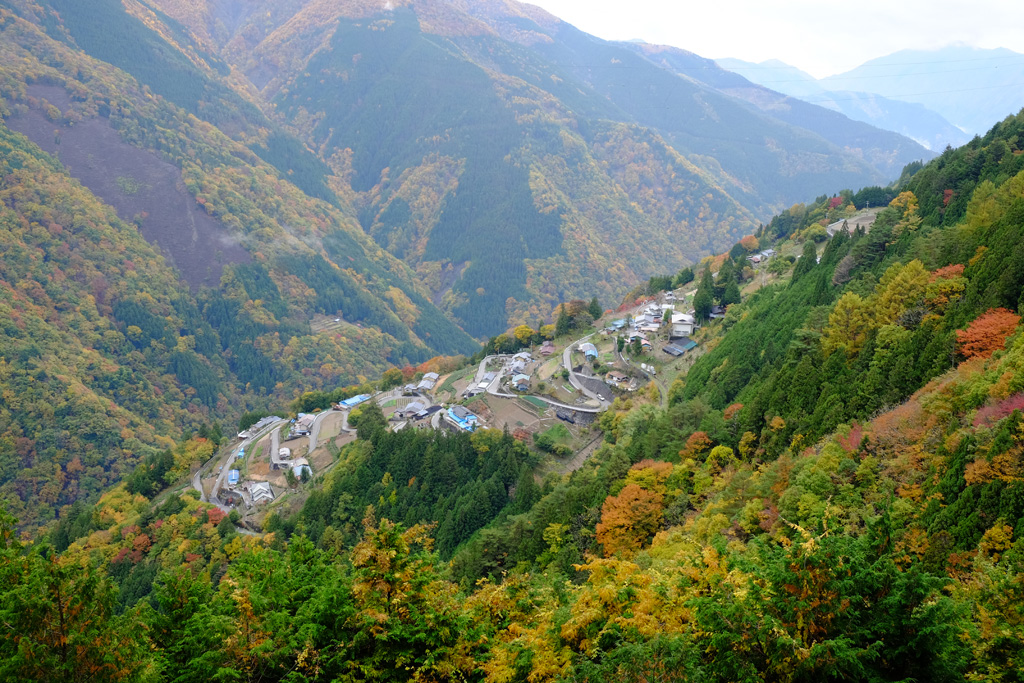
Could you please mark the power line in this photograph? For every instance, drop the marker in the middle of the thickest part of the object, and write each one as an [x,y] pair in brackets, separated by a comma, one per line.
[913,94]
[1015,56]
[879,76]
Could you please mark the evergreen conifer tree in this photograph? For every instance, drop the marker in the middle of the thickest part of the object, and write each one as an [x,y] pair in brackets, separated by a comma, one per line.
[808,259]
[704,299]
[562,323]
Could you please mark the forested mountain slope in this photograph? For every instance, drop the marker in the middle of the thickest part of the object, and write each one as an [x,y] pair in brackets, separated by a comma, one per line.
[102,332]
[457,126]
[832,492]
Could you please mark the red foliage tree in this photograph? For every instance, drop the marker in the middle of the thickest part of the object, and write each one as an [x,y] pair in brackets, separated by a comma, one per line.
[948,272]
[991,414]
[987,334]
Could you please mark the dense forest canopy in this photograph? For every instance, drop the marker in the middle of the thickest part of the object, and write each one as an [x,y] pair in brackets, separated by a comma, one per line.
[832,492]
[830,488]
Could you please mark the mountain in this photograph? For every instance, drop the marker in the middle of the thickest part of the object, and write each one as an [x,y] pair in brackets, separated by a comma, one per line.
[776,75]
[159,276]
[973,88]
[912,120]
[220,206]
[885,150]
[502,103]
[828,488]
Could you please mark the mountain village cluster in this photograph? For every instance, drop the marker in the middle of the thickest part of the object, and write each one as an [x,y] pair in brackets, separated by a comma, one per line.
[527,393]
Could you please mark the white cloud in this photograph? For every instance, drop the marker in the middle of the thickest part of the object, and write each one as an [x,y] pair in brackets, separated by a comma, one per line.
[822,37]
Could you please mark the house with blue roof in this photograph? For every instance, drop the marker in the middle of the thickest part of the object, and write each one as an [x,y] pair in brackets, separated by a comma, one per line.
[463,418]
[354,401]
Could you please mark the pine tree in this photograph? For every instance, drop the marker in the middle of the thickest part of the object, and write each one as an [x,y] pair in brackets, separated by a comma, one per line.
[808,259]
[731,295]
[562,323]
[595,309]
[704,299]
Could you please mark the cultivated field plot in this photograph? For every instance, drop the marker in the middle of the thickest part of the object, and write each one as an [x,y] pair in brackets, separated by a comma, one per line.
[330,427]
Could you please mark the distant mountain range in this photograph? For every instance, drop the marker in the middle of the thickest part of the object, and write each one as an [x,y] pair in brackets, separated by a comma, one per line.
[510,158]
[937,97]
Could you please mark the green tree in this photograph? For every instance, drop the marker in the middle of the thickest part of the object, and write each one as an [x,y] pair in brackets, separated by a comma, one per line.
[407,622]
[562,322]
[848,325]
[808,259]
[186,632]
[703,300]
[391,378]
[684,277]
[57,620]
[731,295]
[595,309]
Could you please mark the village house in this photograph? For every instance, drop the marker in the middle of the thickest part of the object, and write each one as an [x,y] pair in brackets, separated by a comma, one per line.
[463,418]
[428,381]
[547,348]
[281,460]
[300,465]
[588,350]
[261,492]
[616,378]
[350,403]
[411,409]
[254,429]
[683,325]
[680,346]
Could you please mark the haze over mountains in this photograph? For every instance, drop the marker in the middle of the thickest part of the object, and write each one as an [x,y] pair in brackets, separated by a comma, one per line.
[936,97]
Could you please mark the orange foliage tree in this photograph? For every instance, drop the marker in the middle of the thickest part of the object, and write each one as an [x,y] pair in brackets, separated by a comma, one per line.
[987,334]
[629,519]
[749,243]
[696,445]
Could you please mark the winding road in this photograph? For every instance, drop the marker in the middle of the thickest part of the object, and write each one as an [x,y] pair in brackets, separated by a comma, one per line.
[230,457]
[574,380]
[493,391]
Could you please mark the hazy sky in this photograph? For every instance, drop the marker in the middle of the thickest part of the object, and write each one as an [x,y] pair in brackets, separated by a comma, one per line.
[822,37]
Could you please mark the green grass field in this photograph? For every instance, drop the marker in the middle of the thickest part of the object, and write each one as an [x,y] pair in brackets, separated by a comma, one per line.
[535,401]
[558,434]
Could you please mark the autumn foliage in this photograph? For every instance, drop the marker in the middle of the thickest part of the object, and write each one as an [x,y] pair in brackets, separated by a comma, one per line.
[696,444]
[948,272]
[628,519]
[987,334]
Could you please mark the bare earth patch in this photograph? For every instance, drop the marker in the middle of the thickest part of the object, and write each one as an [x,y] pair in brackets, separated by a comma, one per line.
[140,186]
